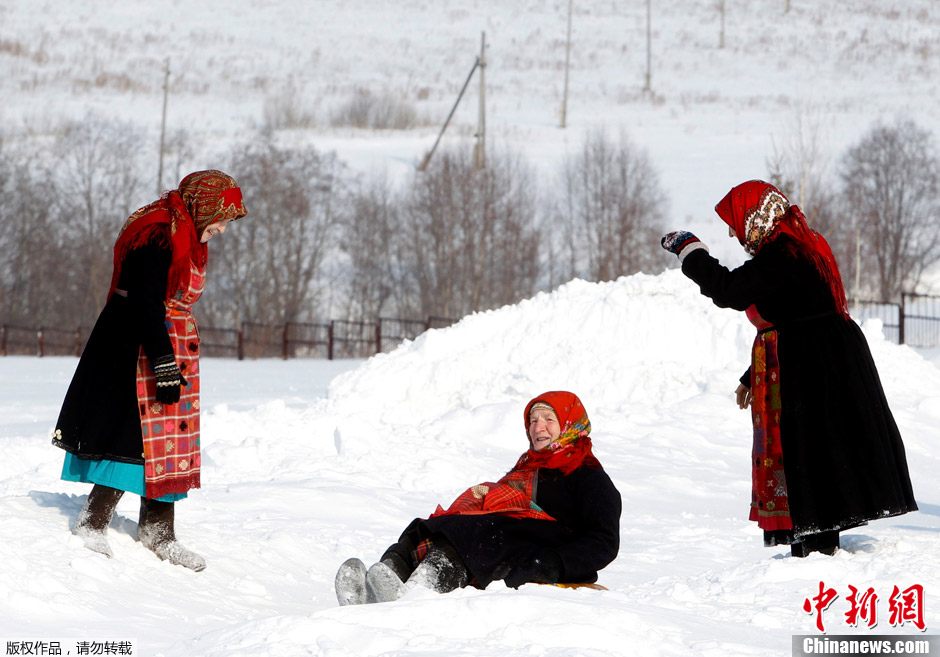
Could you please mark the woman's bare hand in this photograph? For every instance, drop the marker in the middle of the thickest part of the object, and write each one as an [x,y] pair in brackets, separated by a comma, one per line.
[743,394]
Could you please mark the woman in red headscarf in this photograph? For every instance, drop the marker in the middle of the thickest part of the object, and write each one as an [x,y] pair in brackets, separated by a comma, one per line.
[827,453]
[130,419]
[553,518]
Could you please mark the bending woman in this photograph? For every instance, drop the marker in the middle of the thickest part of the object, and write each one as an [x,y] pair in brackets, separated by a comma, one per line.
[130,420]
[827,453]
[554,518]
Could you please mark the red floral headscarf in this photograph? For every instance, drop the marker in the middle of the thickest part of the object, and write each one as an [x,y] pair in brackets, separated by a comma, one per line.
[573,447]
[179,217]
[211,196]
[759,213]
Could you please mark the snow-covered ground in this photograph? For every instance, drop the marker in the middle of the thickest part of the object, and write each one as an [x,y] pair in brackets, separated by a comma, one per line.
[307,463]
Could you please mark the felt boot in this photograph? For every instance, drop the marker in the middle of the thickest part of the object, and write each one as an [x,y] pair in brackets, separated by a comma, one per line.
[823,542]
[94,518]
[383,584]
[442,570]
[156,532]
[350,583]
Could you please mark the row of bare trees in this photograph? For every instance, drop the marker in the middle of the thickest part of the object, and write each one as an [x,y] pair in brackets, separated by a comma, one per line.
[62,203]
[320,242]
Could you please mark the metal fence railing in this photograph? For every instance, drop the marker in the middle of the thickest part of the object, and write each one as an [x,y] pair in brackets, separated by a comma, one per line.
[915,322]
[888,313]
[921,325]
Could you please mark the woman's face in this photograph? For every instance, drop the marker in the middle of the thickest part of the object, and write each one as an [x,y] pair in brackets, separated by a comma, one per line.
[543,428]
[213,229]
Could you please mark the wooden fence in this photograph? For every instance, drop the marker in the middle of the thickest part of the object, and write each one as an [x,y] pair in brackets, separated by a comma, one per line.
[338,338]
[915,322]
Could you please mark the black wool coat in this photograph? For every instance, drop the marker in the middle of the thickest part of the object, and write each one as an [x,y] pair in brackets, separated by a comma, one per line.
[844,460]
[585,533]
[99,417]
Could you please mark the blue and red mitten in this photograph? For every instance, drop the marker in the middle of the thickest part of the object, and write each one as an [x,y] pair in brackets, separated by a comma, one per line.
[678,241]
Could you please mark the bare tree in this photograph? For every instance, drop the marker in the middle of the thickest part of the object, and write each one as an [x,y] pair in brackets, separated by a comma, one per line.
[801,167]
[29,246]
[891,181]
[468,235]
[800,164]
[612,211]
[269,268]
[372,273]
[98,183]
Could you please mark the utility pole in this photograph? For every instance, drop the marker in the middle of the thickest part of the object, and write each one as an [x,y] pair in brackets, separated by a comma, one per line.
[427,158]
[858,266]
[166,91]
[721,36]
[649,48]
[479,151]
[564,98]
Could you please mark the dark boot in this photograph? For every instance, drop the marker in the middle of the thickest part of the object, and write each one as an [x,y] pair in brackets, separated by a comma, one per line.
[442,570]
[94,518]
[155,530]
[397,564]
[774,537]
[822,542]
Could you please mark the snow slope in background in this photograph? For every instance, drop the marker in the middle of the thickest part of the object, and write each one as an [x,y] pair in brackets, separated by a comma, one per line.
[714,117]
[301,473]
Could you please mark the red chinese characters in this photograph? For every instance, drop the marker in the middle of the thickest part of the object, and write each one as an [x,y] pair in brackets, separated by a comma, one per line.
[864,607]
[907,606]
[904,606]
[820,603]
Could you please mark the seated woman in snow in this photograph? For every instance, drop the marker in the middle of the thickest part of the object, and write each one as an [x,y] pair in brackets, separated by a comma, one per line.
[554,518]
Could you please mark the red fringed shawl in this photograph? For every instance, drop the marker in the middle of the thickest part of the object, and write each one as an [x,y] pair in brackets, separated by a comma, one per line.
[759,213]
[512,494]
[164,220]
[180,217]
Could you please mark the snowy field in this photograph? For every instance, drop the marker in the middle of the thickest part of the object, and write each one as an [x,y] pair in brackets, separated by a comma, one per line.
[307,463]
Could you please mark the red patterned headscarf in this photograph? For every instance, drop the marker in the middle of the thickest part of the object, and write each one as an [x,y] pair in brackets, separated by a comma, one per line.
[178,219]
[759,213]
[573,447]
[211,196]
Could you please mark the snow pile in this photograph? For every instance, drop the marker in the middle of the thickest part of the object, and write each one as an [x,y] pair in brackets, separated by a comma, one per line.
[302,472]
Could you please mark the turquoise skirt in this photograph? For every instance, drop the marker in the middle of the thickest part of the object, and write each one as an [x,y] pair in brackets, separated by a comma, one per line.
[123,476]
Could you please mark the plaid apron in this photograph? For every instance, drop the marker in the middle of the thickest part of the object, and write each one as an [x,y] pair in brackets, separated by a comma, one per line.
[171,432]
[510,496]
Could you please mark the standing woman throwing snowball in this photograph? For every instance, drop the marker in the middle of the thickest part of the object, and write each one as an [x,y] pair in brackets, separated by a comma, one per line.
[130,419]
[827,453]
